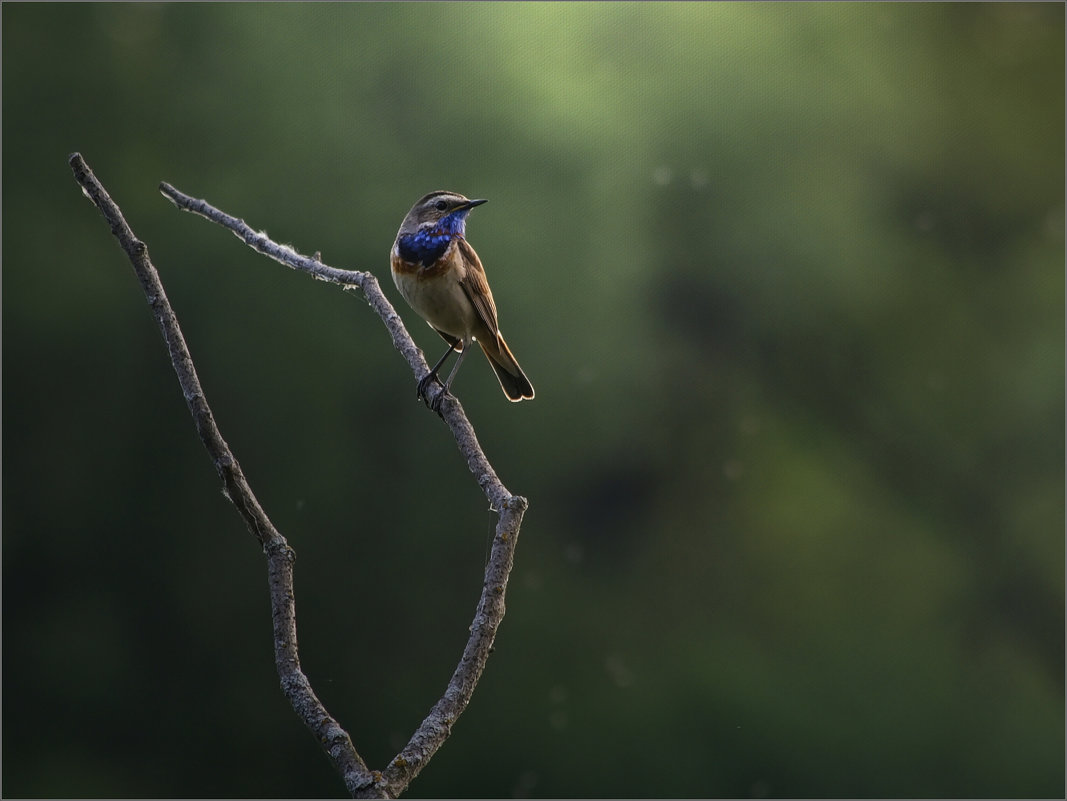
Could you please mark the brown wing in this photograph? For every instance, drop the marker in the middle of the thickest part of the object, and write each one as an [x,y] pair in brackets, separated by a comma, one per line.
[477,288]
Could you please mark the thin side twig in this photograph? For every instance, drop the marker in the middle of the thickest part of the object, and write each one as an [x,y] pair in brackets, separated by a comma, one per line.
[334,739]
[431,734]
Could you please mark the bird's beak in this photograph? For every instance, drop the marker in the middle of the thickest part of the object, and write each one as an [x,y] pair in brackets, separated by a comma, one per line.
[470,204]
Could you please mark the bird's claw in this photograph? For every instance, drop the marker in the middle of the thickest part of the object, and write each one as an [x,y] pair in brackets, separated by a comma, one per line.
[424,383]
[421,392]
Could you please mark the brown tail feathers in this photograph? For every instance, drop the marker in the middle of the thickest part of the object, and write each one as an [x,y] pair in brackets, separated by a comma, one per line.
[511,377]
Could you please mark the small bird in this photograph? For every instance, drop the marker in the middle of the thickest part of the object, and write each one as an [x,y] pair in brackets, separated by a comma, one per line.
[442,278]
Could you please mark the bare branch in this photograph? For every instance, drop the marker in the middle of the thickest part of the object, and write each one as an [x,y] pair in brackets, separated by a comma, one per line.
[335,741]
[431,734]
[435,729]
[452,412]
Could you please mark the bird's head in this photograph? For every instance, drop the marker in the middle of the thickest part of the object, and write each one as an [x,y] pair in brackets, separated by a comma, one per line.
[439,212]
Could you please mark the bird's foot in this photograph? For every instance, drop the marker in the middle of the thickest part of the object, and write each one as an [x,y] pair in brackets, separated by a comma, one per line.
[435,404]
[422,392]
[423,385]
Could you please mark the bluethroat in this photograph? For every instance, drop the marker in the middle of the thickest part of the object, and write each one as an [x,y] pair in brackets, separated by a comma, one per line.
[442,278]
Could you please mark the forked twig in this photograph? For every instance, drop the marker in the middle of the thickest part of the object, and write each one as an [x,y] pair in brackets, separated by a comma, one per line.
[359,780]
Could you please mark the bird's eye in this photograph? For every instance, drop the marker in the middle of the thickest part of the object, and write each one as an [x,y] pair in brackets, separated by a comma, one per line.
[440,205]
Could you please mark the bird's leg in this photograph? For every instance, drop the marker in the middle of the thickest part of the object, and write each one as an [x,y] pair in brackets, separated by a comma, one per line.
[435,404]
[432,375]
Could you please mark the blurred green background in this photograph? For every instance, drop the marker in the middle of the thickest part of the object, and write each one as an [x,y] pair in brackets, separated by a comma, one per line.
[788,279]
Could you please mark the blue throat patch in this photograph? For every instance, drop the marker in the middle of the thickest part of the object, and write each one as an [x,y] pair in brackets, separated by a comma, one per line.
[428,245]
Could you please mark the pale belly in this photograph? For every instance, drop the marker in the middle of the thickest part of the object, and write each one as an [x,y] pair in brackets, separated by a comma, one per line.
[439,301]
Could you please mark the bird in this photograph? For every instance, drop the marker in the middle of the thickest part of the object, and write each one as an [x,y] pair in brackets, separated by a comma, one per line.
[442,279]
